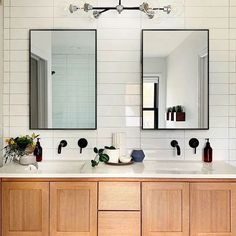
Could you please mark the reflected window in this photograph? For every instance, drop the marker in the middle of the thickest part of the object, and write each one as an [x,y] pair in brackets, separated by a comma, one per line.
[150,101]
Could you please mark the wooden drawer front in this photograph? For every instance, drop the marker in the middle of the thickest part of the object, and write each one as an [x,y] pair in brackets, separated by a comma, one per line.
[119,223]
[213,209]
[25,209]
[119,196]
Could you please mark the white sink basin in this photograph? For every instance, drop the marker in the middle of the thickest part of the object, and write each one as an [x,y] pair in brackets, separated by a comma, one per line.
[69,167]
[189,167]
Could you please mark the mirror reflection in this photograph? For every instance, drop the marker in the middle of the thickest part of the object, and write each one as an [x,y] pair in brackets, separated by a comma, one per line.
[175,79]
[63,79]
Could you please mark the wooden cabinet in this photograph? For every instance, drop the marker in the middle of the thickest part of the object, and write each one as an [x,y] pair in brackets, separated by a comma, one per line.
[25,209]
[165,209]
[73,209]
[0,207]
[125,208]
[213,209]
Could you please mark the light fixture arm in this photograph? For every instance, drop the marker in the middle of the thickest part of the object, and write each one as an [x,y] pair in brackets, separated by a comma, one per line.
[144,7]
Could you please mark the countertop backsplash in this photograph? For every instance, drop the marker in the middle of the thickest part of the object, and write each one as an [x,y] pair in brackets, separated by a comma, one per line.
[119,75]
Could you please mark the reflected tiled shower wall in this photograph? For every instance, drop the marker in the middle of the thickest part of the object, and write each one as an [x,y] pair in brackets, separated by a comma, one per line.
[119,40]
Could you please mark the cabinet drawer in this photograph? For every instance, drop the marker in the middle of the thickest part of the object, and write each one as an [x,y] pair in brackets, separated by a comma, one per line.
[119,196]
[119,223]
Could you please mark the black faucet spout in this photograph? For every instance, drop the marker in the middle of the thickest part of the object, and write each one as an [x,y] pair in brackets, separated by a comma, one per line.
[178,150]
[62,144]
[175,144]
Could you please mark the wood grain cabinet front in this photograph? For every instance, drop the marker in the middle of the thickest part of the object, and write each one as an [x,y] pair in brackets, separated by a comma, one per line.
[213,209]
[0,207]
[155,208]
[119,223]
[25,209]
[119,196]
[73,209]
[165,209]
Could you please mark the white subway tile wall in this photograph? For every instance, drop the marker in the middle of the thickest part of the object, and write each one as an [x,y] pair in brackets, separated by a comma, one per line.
[119,78]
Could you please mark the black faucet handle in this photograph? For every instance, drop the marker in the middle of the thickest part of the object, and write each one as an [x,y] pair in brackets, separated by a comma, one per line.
[82,143]
[194,143]
[174,143]
[63,143]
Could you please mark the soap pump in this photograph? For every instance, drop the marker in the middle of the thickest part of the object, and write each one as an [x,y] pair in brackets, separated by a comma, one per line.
[38,152]
[207,152]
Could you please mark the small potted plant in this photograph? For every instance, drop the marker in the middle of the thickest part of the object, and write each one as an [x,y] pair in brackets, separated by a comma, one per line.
[106,154]
[20,149]
[180,114]
[100,157]
[113,153]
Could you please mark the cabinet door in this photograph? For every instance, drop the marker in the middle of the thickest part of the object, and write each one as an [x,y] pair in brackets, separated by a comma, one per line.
[73,208]
[213,209]
[165,209]
[25,209]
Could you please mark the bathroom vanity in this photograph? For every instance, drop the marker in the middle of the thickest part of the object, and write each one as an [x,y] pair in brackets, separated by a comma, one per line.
[154,200]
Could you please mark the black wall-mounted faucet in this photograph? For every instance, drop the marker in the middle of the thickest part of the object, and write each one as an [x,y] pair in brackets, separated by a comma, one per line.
[82,143]
[194,143]
[175,144]
[62,144]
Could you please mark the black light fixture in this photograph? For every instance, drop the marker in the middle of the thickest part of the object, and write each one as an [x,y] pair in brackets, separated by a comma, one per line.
[144,7]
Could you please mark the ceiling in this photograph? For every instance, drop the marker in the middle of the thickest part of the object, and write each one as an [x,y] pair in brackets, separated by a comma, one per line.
[162,43]
[73,42]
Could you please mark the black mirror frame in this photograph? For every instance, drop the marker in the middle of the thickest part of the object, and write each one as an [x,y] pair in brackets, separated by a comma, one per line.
[142,74]
[30,33]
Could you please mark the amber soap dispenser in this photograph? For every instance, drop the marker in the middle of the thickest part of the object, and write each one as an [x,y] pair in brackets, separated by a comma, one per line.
[38,152]
[207,152]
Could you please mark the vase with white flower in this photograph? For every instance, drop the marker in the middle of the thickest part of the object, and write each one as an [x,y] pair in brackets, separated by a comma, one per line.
[21,149]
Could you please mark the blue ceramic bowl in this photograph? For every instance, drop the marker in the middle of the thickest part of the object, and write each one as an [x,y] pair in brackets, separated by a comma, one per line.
[138,155]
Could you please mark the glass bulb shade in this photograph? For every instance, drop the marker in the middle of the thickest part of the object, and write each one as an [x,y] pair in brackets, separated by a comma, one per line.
[87,7]
[96,14]
[120,8]
[73,8]
[150,14]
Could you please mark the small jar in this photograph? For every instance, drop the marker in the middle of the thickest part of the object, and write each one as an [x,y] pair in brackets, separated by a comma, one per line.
[138,155]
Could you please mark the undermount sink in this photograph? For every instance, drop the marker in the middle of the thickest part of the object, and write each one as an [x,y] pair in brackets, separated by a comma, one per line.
[61,166]
[189,167]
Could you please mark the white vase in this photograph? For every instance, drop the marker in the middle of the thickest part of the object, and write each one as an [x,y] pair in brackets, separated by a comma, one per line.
[119,142]
[27,160]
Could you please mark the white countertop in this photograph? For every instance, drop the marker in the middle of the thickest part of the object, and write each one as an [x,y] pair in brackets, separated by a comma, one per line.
[147,169]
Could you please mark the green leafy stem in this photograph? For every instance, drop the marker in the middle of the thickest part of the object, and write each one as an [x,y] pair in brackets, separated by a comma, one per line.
[100,156]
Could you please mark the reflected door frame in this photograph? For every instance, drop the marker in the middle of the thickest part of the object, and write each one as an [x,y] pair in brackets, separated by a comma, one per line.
[41,87]
[202,85]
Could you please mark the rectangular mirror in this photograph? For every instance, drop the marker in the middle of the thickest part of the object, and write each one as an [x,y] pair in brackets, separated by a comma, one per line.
[63,80]
[175,79]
